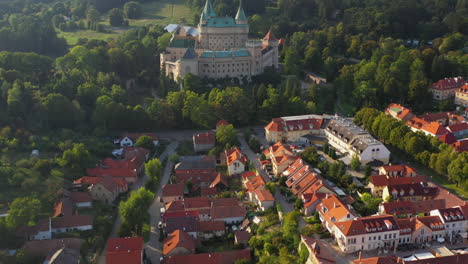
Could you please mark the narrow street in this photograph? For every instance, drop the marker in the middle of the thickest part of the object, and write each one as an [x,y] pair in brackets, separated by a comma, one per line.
[153,246]
[138,184]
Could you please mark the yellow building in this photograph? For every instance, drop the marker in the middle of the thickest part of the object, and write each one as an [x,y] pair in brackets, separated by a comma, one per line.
[218,48]
[461,96]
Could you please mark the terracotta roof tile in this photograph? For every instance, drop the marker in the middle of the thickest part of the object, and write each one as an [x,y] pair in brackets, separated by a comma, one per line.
[264,195]
[127,250]
[221,212]
[234,154]
[80,197]
[179,239]
[173,190]
[226,257]
[204,138]
[242,236]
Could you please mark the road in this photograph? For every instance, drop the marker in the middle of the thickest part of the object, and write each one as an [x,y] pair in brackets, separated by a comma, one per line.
[135,186]
[153,246]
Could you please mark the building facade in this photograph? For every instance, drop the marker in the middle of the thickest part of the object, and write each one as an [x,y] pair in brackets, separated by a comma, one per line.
[218,48]
[446,88]
[461,96]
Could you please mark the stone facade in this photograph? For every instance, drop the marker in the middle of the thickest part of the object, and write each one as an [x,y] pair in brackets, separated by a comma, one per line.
[219,48]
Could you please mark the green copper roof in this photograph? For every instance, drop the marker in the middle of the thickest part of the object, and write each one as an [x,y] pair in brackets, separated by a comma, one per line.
[395,109]
[225,54]
[182,43]
[222,22]
[240,13]
[208,11]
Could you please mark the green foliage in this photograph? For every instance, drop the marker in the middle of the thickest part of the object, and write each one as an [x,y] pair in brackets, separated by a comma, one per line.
[134,211]
[355,163]
[153,169]
[23,211]
[145,142]
[78,158]
[116,17]
[226,135]
[133,10]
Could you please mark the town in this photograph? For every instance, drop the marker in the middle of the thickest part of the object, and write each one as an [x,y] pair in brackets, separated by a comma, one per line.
[233,132]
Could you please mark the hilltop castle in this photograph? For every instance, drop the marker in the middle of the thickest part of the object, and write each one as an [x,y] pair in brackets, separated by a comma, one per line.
[219,47]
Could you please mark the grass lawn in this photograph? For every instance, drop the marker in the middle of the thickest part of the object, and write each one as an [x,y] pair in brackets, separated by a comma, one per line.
[162,12]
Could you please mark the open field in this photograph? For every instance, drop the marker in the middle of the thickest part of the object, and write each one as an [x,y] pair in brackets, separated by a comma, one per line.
[162,12]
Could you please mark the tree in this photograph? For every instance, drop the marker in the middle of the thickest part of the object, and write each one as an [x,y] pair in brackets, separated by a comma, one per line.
[226,135]
[134,211]
[145,142]
[153,169]
[23,211]
[77,158]
[92,15]
[355,163]
[164,40]
[292,62]
[132,10]
[60,112]
[116,17]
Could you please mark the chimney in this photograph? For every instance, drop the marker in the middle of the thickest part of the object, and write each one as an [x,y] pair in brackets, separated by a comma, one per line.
[326,196]
[334,204]
[360,253]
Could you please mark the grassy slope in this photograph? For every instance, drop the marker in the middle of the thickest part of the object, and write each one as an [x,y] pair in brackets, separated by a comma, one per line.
[160,12]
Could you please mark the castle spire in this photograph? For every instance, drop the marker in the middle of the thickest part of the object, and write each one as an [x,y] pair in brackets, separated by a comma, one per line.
[240,16]
[208,11]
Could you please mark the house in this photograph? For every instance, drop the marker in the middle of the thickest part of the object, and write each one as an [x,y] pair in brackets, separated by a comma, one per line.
[319,252]
[220,182]
[281,156]
[434,129]
[399,112]
[310,201]
[64,256]
[81,199]
[173,192]
[293,128]
[253,183]
[461,145]
[409,191]
[407,208]
[200,170]
[397,170]
[454,220]
[203,141]
[262,198]
[225,257]
[208,192]
[63,207]
[305,180]
[459,130]
[443,118]
[377,183]
[448,138]
[235,161]
[241,237]
[105,189]
[367,233]
[128,250]
[45,248]
[232,214]
[461,96]
[332,210]
[210,229]
[352,140]
[47,227]
[416,124]
[130,139]
[129,168]
[179,243]
[446,88]
[185,221]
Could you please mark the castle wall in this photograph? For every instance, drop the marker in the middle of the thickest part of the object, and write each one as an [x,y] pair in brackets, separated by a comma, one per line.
[225,67]
[218,39]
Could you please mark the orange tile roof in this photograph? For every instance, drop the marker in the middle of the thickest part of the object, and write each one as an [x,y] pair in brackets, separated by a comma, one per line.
[204,138]
[255,183]
[407,225]
[405,170]
[333,209]
[270,36]
[416,122]
[220,179]
[274,126]
[299,163]
[432,222]
[63,207]
[370,224]
[264,195]
[234,154]
[178,239]
[298,174]
[435,129]
[461,145]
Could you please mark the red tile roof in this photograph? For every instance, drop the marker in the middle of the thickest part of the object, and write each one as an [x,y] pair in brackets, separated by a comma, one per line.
[384,180]
[211,226]
[80,197]
[221,212]
[416,122]
[264,195]
[108,182]
[449,83]
[45,247]
[179,239]
[274,127]
[448,138]
[234,154]
[72,221]
[220,179]
[412,189]
[453,214]
[226,257]
[432,222]
[458,127]
[461,145]
[453,259]
[63,207]
[401,112]
[127,250]
[242,236]
[407,225]
[435,129]
[173,190]
[405,170]
[215,202]
[377,260]
[179,214]
[365,225]
[204,138]
[321,251]
[192,203]
[208,191]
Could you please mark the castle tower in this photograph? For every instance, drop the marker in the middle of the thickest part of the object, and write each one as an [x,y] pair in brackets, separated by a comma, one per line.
[241,19]
[270,40]
[208,12]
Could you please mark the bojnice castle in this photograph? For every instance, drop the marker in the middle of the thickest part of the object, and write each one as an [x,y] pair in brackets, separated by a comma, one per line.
[218,48]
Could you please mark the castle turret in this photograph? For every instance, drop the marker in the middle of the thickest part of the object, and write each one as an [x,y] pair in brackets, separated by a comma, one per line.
[270,40]
[208,12]
[241,18]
